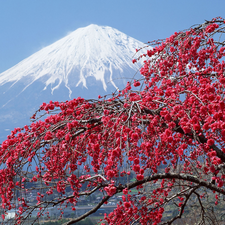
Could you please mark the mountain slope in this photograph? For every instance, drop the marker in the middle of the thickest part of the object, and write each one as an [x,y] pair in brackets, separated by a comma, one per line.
[90,51]
[89,61]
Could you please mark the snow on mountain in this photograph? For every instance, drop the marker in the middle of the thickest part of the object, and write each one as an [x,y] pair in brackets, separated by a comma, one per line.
[89,61]
[92,50]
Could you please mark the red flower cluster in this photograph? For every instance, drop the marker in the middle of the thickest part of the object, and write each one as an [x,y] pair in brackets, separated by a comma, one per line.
[167,139]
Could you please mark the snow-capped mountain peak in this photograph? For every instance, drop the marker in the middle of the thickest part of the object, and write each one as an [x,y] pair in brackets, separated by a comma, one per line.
[91,61]
[90,51]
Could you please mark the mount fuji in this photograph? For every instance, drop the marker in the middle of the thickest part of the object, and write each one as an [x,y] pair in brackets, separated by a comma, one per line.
[91,61]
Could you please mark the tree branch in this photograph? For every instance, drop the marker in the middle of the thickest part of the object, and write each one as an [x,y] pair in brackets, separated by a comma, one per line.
[89,212]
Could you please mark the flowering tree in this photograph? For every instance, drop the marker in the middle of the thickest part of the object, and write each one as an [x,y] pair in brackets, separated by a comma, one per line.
[166,131]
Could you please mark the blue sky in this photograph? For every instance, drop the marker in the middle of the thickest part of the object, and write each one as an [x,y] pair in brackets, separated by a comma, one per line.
[29,25]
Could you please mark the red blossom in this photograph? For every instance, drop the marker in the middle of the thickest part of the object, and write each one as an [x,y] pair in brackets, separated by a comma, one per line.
[169,134]
[140,176]
[127,204]
[137,83]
